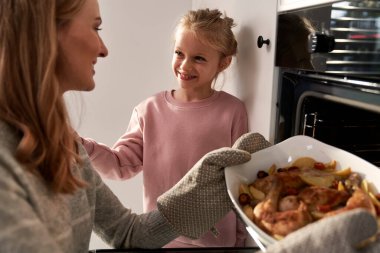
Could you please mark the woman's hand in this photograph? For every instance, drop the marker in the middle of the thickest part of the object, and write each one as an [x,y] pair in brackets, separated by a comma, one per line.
[350,232]
[200,198]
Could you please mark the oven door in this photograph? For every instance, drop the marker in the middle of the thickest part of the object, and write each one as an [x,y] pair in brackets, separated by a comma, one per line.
[338,111]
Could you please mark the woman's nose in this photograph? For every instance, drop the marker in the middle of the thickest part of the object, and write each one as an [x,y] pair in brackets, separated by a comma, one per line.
[103,49]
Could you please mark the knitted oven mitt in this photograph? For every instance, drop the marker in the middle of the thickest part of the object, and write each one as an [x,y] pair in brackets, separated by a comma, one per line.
[200,198]
[251,142]
[347,232]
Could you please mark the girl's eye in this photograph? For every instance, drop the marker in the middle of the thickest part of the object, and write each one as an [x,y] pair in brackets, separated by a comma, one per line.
[200,58]
[179,53]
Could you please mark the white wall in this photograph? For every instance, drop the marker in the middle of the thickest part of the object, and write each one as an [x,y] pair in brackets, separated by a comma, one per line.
[138,34]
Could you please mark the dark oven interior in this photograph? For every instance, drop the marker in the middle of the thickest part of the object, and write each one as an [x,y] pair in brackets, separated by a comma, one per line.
[329,76]
[338,111]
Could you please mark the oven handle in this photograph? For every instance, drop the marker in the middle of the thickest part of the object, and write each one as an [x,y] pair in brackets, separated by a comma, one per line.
[370,85]
[313,125]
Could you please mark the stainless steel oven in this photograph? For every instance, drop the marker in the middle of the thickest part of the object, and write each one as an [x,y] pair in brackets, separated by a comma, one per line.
[329,82]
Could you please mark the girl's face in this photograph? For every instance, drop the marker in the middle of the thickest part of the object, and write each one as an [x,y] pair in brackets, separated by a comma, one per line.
[195,64]
[79,47]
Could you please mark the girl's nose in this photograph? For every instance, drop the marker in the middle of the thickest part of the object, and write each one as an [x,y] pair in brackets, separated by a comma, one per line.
[186,65]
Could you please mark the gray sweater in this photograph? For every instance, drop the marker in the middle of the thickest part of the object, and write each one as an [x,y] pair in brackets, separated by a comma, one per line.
[33,219]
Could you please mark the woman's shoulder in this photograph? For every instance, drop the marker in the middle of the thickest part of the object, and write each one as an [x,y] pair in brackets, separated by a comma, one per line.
[5,128]
[8,136]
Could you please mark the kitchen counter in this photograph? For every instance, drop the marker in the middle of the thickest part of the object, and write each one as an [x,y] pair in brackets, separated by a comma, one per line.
[179,250]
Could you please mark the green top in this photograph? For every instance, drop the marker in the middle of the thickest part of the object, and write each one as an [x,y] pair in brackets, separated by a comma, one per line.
[33,219]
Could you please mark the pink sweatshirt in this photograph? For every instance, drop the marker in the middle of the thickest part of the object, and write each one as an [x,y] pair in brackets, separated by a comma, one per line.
[164,139]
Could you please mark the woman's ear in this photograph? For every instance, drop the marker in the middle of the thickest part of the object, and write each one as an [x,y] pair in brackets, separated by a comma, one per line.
[224,63]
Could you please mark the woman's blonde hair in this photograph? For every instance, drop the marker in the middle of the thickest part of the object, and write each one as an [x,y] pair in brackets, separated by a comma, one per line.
[212,28]
[292,35]
[30,93]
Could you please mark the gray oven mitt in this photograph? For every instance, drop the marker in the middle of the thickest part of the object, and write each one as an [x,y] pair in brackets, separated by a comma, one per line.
[341,233]
[251,142]
[200,198]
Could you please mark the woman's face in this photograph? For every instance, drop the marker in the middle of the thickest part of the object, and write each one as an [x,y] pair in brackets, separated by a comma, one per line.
[79,46]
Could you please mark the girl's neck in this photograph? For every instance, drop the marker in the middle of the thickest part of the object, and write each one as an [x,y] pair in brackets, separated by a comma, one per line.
[183,95]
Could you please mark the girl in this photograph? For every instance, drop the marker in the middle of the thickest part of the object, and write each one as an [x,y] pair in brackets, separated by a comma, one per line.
[174,129]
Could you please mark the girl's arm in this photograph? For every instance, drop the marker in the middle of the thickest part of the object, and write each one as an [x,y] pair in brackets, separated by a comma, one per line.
[125,159]
[240,123]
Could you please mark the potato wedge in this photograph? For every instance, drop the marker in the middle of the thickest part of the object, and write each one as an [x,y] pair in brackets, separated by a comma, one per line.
[364,185]
[317,215]
[318,180]
[341,186]
[278,237]
[304,162]
[342,173]
[331,165]
[243,188]
[255,193]
[374,199]
[248,210]
[272,169]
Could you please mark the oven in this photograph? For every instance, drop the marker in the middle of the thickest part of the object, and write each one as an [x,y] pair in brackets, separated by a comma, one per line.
[329,76]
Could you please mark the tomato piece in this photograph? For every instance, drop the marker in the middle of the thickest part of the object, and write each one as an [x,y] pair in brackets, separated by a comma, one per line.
[377,211]
[262,174]
[290,191]
[335,184]
[244,199]
[293,168]
[324,208]
[319,166]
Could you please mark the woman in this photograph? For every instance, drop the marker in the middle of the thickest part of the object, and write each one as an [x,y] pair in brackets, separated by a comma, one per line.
[51,197]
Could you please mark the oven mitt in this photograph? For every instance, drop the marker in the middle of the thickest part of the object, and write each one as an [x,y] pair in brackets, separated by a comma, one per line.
[251,142]
[341,233]
[200,198]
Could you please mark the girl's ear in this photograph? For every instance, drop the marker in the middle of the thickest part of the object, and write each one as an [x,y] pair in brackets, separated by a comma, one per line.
[224,63]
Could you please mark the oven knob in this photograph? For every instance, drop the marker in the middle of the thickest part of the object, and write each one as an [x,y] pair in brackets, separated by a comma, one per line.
[320,43]
[261,41]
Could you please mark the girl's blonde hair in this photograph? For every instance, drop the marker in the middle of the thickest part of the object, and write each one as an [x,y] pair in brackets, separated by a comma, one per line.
[212,28]
[30,93]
